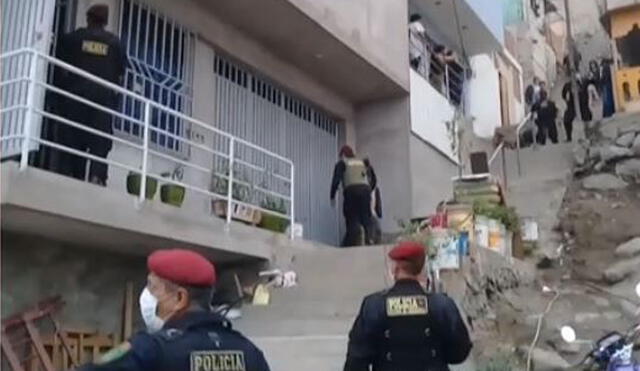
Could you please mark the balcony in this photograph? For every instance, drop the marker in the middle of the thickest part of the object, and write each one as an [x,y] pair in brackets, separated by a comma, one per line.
[472,26]
[208,195]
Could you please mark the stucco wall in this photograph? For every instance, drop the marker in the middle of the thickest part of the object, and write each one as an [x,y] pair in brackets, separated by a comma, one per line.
[431,174]
[382,134]
[92,283]
[375,29]
[483,96]
[430,112]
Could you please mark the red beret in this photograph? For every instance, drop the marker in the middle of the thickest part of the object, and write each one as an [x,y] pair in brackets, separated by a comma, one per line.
[408,250]
[183,267]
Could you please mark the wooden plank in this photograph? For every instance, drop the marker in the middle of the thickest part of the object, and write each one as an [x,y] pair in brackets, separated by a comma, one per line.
[12,358]
[37,342]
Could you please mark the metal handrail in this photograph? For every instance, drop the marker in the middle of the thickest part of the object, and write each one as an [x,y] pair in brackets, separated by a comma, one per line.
[232,155]
[449,76]
[500,149]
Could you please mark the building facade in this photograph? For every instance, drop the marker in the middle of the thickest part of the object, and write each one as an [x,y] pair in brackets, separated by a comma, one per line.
[622,21]
[242,106]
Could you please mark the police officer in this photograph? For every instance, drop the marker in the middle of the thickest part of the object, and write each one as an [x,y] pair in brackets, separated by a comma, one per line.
[182,333]
[357,181]
[404,328]
[100,53]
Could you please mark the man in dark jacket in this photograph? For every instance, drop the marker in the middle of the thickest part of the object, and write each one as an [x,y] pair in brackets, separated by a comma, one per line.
[570,111]
[357,180]
[546,113]
[404,327]
[100,53]
[182,333]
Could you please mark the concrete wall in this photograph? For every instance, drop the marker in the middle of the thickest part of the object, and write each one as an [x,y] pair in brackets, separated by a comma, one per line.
[431,174]
[382,134]
[92,283]
[430,112]
[375,29]
[483,96]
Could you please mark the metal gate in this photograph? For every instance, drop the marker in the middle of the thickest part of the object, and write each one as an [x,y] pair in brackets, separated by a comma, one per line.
[160,53]
[252,108]
[25,24]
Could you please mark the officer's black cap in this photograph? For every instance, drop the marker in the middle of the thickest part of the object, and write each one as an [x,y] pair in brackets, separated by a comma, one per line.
[99,13]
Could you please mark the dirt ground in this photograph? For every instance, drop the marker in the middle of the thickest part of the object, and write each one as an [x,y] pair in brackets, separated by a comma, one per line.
[592,224]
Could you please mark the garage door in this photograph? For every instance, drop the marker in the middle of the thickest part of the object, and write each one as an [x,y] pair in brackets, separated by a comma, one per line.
[254,109]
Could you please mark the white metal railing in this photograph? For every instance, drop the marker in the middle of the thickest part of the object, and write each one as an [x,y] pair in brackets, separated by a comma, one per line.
[500,150]
[440,75]
[240,156]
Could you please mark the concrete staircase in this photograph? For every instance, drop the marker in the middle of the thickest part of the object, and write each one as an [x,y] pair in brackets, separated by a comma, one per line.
[539,191]
[306,327]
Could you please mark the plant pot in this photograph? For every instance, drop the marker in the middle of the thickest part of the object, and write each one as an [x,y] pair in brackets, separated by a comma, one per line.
[241,213]
[133,185]
[172,194]
[274,223]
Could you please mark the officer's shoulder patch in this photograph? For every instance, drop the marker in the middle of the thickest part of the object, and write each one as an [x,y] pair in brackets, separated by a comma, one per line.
[407,305]
[115,353]
[218,360]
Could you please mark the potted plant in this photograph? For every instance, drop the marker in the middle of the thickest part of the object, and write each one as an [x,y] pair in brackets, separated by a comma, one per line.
[272,222]
[170,193]
[241,191]
[133,185]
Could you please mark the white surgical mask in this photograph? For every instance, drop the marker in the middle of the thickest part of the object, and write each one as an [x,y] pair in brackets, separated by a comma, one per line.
[148,307]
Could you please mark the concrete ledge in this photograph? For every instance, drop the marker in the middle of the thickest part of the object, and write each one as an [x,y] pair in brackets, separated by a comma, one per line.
[49,205]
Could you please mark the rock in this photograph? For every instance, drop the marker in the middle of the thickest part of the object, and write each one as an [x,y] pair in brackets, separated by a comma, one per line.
[585,317]
[629,248]
[610,153]
[620,270]
[612,315]
[544,359]
[580,155]
[626,140]
[629,169]
[593,154]
[601,302]
[603,182]
[635,146]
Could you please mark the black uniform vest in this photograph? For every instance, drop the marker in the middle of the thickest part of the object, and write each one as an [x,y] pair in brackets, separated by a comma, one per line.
[407,343]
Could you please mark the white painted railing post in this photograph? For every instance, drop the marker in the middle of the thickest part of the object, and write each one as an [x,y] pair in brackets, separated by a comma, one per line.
[145,151]
[232,142]
[292,204]
[30,117]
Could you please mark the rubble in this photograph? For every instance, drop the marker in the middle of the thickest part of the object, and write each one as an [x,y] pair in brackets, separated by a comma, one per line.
[613,152]
[544,359]
[621,270]
[635,147]
[580,155]
[629,249]
[626,140]
[629,169]
[603,182]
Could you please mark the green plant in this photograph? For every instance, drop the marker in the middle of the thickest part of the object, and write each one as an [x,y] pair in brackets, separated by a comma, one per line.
[413,231]
[241,189]
[272,204]
[505,215]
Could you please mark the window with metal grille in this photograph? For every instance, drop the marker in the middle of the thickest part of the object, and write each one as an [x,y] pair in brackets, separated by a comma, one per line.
[160,68]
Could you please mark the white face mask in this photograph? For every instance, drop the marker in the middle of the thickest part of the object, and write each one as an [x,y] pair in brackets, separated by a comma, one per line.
[148,307]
